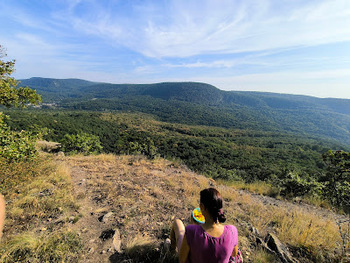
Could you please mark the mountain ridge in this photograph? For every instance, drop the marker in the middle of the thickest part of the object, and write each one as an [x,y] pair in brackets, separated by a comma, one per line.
[174,90]
[204,104]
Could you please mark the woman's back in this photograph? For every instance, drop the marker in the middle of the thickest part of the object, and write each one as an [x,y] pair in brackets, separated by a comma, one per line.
[215,230]
[207,248]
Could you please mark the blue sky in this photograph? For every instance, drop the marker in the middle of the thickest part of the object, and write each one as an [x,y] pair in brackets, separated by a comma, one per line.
[294,46]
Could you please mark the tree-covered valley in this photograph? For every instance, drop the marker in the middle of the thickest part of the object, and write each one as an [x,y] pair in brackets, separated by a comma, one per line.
[203,104]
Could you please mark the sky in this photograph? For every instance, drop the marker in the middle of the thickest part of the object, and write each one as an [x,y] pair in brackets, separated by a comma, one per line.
[283,46]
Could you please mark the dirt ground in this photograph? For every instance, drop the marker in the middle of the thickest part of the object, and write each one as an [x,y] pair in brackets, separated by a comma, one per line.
[139,199]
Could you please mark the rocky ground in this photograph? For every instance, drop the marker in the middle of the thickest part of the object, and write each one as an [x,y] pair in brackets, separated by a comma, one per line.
[127,204]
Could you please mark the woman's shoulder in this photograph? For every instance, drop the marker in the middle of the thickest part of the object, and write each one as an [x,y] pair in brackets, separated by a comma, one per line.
[232,229]
[193,227]
[192,232]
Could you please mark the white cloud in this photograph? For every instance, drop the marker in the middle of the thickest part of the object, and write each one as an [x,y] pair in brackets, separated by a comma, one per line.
[182,28]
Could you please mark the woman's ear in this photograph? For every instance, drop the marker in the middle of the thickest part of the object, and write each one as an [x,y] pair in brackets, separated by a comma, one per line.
[202,207]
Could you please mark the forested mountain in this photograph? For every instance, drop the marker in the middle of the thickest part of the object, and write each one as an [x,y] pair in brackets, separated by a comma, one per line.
[204,104]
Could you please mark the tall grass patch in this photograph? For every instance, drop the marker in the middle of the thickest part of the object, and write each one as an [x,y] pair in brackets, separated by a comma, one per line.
[58,246]
[38,193]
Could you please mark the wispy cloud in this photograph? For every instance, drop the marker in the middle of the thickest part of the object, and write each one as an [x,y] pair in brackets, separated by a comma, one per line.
[234,44]
[181,28]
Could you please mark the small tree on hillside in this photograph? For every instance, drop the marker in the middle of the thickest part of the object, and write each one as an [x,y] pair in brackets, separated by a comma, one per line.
[337,178]
[14,146]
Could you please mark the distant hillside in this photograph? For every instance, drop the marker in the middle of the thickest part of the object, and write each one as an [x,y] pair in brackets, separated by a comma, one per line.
[54,89]
[204,104]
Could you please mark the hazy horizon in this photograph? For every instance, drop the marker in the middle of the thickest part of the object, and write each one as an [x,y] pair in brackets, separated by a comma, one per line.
[291,47]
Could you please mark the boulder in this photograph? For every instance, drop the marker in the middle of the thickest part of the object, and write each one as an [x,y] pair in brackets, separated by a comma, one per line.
[50,147]
[104,218]
[274,244]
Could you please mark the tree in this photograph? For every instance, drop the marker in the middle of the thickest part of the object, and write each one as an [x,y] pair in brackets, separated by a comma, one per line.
[14,146]
[337,179]
[10,94]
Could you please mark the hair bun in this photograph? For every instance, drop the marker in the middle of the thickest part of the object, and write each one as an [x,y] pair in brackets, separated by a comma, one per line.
[221,216]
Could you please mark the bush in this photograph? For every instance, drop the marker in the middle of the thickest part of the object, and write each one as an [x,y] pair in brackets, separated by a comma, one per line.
[81,143]
[295,185]
[15,146]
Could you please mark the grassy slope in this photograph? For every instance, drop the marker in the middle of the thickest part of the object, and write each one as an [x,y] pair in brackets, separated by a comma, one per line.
[44,223]
[39,203]
[145,195]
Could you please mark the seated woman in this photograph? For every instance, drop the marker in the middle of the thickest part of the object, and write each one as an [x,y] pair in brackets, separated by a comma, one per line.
[208,242]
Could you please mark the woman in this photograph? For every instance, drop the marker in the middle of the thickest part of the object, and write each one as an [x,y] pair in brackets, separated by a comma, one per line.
[208,242]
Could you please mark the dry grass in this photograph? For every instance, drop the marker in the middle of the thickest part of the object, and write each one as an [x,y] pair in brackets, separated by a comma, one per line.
[44,197]
[134,244]
[145,195]
[317,201]
[37,194]
[58,246]
[261,256]
[292,225]
[306,230]
[261,188]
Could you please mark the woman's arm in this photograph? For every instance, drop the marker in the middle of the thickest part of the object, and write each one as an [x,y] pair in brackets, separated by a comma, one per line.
[235,251]
[2,213]
[184,250]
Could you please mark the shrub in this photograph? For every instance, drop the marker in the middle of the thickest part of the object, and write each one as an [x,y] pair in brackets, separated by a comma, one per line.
[81,143]
[296,185]
[15,146]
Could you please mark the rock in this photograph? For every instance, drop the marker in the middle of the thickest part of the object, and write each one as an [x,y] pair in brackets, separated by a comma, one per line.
[254,231]
[117,241]
[281,250]
[104,218]
[259,241]
[167,244]
[107,234]
[50,147]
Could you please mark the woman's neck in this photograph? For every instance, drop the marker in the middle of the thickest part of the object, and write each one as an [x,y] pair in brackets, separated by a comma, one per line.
[209,222]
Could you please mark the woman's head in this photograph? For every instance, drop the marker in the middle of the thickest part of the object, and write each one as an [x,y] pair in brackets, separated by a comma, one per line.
[211,199]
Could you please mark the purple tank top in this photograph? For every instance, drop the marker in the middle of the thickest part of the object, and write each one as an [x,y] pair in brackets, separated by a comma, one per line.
[208,249]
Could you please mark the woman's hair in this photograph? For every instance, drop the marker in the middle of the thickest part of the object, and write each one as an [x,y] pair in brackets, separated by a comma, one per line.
[211,199]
